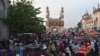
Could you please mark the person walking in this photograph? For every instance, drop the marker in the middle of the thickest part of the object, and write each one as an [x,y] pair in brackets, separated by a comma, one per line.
[88,49]
[75,49]
[21,48]
[96,52]
[53,49]
[67,50]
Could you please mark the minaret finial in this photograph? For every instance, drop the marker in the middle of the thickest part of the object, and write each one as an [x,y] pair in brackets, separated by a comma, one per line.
[98,5]
[93,8]
[86,11]
[62,10]
[62,13]
[47,11]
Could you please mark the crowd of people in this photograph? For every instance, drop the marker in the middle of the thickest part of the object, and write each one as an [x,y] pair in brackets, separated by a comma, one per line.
[51,45]
[68,45]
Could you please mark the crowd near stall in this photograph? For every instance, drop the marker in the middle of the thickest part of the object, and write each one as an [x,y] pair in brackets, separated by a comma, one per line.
[69,44]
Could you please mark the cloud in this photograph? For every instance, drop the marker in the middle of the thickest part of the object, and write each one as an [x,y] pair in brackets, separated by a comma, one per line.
[73,9]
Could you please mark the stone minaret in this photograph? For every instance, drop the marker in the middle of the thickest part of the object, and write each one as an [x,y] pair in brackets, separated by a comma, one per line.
[62,14]
[47,13]
[61,19]
[93,8]
[98,5]
[47,19]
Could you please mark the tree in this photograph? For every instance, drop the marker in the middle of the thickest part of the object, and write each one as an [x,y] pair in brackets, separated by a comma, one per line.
[79,25]
[22,17]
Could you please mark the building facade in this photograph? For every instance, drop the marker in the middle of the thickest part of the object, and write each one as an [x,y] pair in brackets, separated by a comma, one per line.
[3,14]
[54,24]
[91,21]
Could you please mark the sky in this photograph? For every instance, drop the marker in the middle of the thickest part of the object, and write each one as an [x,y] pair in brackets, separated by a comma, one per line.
[73,9]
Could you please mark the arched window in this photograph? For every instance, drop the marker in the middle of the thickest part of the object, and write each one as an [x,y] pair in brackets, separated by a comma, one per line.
[54,29]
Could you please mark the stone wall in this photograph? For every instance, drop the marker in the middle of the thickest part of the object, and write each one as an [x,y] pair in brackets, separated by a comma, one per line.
[3,31]
[3,14]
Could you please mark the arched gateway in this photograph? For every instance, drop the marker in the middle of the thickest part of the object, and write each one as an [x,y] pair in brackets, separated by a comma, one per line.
[54,24]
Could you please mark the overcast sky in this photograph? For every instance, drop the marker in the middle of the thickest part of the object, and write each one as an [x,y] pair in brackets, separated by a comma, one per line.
[73,9]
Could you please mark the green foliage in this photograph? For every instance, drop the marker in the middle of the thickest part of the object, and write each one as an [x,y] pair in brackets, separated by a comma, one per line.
[22,17]
[79,25]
